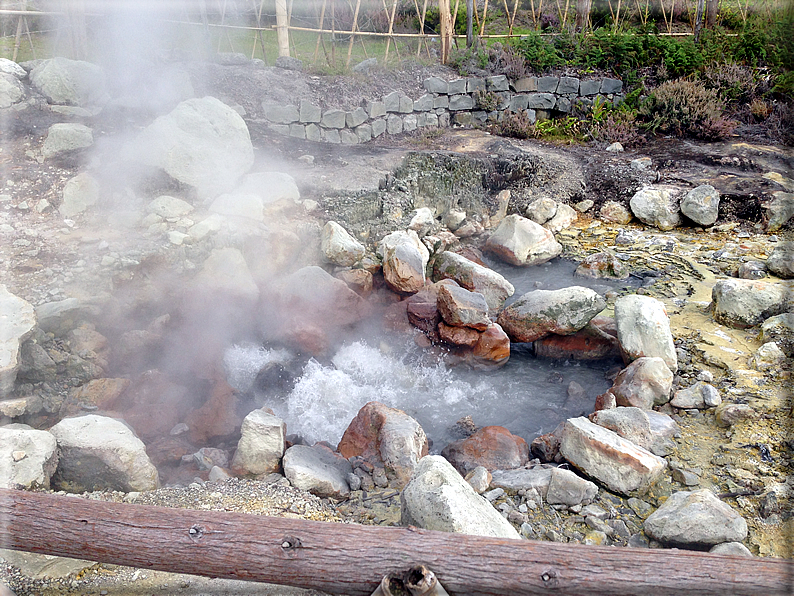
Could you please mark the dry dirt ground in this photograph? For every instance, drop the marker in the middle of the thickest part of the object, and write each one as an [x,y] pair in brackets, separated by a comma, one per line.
[45,258]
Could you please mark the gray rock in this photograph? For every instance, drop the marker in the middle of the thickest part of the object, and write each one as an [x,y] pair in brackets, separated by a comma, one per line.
[752,270]
[422,221]
[537,478]
[615,148]
[308,112]
[526,84]
[695,518]
[460,102]
[394,124]
[11,90]
[70,82]
[685,477]
[568,85]
[475,278]
[289,63]
[461,308]
[456,86]
[611,86]
[520,241]
[261,445]
[392,102]
[435,85]
[376,109]
[735,549]
[405,260]
[729,414]
[630,423]
[365,65]
[406,104]
[542,210]
[16,324]
[42,567]
[79,193]
[356,117]
[317,470]
[767,357]
[602,454]
[563,105]
[271,187]
[100,453]
[781,210]
[202,143]
[479,479]
[589,87]
[701,204]
[566,488]
[424,103]
[644,383]
[746,303]
[29,458]
[613,212]
[334,119]
[10,67]
[313,133]
[248,206]
[438,498]
[700,395]
[781,261]
[169,207]
[548,84]
[780,329]
[656,206]
[409,123]
[379,127]
[339,247]
[562,219]
[644,329]
[280,113]
[542,312]
[541,101]
[497,83]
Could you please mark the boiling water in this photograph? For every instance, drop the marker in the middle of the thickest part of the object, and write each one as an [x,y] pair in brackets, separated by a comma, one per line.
[528,396]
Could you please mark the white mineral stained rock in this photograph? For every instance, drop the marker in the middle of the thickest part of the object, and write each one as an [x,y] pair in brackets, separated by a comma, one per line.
[17,319]
[602,454]
[339,247]
[97,453]
[28,458]
[438,498]
[261,445]
[644,329]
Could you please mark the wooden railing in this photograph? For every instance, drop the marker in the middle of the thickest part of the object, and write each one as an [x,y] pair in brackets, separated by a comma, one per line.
[353,559]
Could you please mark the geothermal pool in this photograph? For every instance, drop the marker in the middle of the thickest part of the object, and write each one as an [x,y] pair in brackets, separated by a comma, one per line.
[528,396]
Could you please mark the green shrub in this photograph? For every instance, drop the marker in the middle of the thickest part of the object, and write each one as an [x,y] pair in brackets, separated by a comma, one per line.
[618,126]
[684,107]
[539,53]
[486,100]
[515,125]
[733,82]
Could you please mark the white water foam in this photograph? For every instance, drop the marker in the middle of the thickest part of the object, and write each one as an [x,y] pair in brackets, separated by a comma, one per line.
[243,362]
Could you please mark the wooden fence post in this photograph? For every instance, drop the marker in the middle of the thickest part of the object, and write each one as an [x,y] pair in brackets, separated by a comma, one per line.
[281,27]
[445,19]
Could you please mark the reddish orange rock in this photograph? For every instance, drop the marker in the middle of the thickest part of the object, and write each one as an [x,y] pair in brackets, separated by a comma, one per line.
[493,447]
[152,405]
[582,345]
[358,280]
[458,336]
[101,393]
[387,436]
[217,418]
[493,347]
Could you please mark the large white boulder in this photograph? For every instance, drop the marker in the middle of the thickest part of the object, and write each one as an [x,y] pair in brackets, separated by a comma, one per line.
[542,312]
[317,470]
[438,498]
[17,319]
[644,329]
[701,205]
[261,445]
[11,90]
[65,137]
[520,241]
[405,260]
[28,458]
[656,206]
[475,278]
[604,455]
[202,143]
[100,453]
[339,247]
[70,82]
[746,302]
[695,518]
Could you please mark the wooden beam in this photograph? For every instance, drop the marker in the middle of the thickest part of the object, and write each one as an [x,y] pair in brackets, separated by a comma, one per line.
[352,559]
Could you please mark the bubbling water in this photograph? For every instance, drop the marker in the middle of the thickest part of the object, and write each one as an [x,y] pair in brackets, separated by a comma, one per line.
[527,396]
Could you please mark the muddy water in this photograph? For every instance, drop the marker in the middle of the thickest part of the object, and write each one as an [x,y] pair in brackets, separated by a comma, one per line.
[528,396]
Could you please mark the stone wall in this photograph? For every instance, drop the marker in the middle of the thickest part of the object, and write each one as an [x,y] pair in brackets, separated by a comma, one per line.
[458,102]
